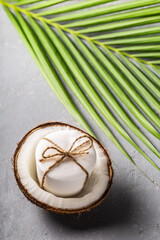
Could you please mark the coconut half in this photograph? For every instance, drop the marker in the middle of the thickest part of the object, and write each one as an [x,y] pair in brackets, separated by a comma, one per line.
[25,170]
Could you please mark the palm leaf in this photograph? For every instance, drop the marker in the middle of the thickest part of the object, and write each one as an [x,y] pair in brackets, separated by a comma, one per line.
[80,49]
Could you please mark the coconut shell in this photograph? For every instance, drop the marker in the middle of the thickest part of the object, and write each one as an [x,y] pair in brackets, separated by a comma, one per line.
[44,205]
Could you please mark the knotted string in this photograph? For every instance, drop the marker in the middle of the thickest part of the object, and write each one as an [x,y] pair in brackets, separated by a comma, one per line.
[81,149]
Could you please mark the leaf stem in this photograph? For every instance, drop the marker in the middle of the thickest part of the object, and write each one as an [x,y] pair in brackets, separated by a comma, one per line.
[56,25]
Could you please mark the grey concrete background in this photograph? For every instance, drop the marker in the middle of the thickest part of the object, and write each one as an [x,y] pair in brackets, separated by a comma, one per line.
[131,211]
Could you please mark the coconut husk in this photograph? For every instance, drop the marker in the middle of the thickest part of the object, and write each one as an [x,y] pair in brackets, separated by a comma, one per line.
[44,205]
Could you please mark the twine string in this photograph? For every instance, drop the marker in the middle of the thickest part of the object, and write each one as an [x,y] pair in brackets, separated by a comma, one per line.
[81,149]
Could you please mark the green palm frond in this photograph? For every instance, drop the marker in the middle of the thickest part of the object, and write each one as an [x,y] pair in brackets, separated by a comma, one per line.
[101,55]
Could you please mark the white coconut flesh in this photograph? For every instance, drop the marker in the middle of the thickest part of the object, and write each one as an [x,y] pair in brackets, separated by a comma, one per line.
[67,178]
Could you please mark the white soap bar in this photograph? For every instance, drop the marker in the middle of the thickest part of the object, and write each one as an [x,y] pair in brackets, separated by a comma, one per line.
[67,178]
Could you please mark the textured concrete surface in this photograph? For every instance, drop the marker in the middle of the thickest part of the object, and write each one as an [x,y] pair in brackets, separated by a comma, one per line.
[131,211]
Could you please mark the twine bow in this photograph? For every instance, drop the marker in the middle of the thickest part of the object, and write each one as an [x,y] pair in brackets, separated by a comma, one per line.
[81,149]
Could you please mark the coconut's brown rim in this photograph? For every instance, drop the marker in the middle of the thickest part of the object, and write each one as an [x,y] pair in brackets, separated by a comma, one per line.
[44,205]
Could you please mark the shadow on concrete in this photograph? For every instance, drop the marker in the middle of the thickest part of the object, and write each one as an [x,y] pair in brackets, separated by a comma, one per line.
[117,209]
